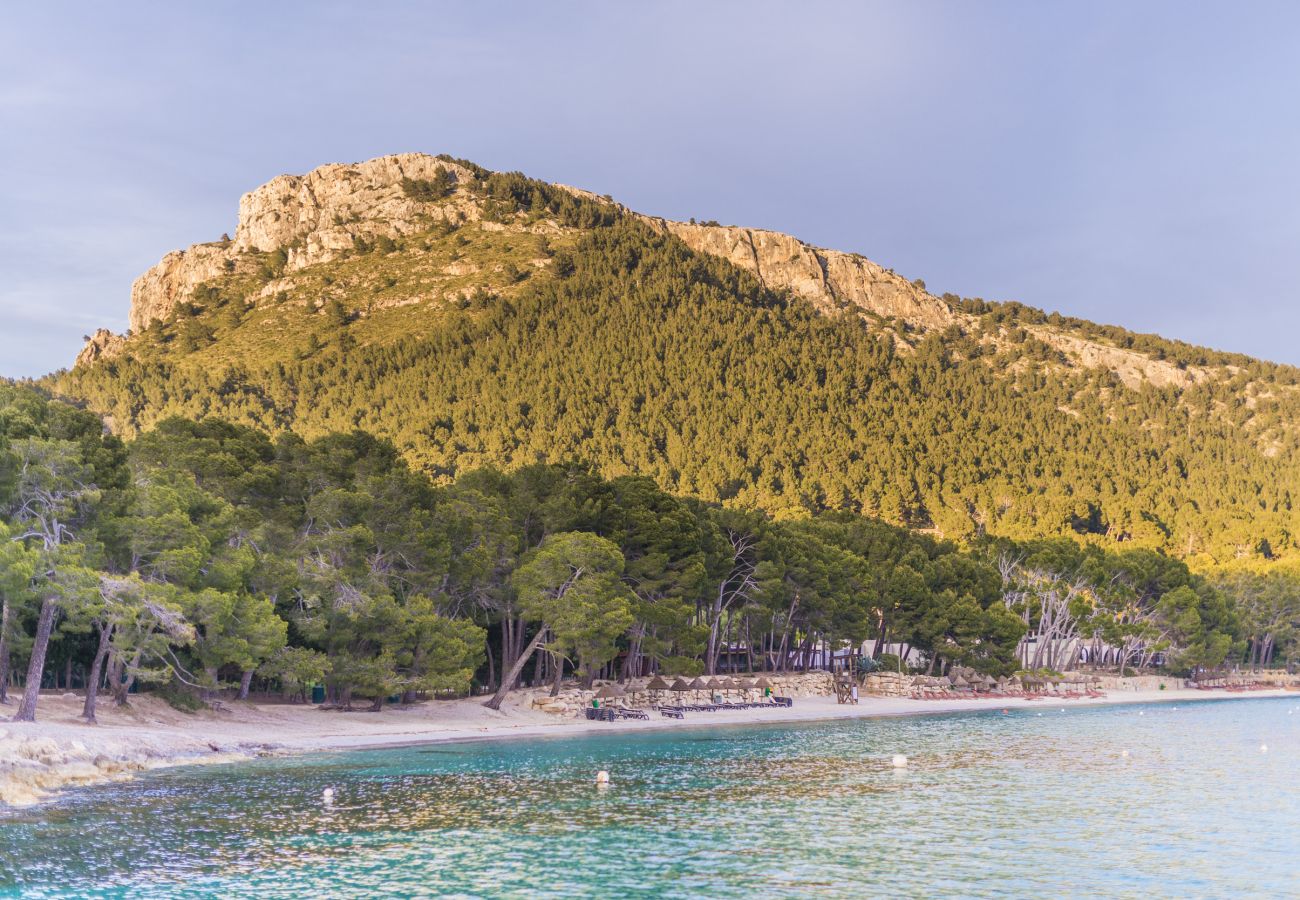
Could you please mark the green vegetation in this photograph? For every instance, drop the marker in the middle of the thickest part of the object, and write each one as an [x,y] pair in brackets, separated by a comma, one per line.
[624,349]
[203,554]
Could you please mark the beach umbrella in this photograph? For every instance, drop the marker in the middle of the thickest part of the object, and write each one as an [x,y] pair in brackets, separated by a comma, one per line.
[657,684]
[958,681]
[746,684]
[610,692]
[715,684]
[762,683]
[680,685]
[699,684]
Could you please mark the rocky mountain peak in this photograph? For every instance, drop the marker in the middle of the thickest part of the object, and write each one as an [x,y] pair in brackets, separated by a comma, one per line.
[316,217]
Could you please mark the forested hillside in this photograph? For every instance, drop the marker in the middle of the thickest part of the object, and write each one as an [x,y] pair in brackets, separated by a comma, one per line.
[202,555]
[509,322]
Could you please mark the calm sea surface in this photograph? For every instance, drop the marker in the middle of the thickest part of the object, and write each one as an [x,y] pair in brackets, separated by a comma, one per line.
[1038,802]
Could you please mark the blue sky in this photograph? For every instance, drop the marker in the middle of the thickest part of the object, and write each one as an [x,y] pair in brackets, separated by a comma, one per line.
[1133,163]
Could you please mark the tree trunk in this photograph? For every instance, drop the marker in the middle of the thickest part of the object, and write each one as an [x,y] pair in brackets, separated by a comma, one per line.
[557,676]
[492,669]
[512,676]
[540,670]
[96,670]
[4,650]
[36,667]
[244,682]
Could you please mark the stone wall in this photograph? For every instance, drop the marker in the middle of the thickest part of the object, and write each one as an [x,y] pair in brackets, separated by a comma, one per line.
[572,699]
[887,684]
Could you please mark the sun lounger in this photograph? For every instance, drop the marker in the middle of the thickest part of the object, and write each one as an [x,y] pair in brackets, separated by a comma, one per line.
[672,712]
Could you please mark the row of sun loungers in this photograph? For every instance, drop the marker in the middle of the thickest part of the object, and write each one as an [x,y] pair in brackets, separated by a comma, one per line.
[613,714]
[1232,685]
[769,703]
[678,711]
[994,695]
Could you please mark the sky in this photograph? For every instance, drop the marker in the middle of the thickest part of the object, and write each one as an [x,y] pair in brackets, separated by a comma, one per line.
[1130,163]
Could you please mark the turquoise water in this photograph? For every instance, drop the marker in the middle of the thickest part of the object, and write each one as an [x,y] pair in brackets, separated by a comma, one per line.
[1035,802]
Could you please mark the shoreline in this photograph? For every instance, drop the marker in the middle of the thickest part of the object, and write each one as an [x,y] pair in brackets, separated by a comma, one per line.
[783,716]
[40,760]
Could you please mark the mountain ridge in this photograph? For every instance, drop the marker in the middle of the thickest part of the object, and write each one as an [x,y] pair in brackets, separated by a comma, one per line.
[487,319]
[317,217]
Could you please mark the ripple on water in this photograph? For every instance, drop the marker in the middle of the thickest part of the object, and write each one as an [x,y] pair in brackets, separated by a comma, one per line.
[990,805]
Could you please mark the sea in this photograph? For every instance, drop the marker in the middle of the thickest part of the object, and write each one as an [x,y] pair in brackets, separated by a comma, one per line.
[1188,799]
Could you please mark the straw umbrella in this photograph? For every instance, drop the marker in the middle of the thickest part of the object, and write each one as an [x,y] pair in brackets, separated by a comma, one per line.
[656,686]
[610,692]
[763,684]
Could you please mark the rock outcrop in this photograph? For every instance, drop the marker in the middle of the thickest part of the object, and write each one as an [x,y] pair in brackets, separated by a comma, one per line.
[156,293]
[103,344]
[317,215]
[829,279]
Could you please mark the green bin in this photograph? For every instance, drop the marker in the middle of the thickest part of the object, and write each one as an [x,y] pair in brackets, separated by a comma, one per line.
[318,693]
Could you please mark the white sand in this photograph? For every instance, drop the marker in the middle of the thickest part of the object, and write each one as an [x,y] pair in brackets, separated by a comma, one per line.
[60,750]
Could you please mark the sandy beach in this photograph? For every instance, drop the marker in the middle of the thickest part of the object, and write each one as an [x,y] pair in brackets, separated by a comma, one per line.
[61,751]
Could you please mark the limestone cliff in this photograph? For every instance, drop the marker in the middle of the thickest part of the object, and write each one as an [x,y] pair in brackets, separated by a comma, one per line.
[828,278]
[313,218]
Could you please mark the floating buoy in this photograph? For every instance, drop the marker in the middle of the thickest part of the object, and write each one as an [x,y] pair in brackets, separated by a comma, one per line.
[1124,753]
[602,777]
[1263,748]
[1141,713]
[900,761]
[327,796]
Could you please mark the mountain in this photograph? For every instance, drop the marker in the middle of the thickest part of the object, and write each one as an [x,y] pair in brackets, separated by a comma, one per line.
[479,318]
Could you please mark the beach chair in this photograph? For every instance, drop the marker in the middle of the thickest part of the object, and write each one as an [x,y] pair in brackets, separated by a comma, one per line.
[672,712]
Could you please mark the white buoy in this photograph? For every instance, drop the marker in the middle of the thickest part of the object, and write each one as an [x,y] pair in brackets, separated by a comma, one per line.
[1263,748]
[1141,713]
[327,796]
[900,761]
[1124,753]
[602,777]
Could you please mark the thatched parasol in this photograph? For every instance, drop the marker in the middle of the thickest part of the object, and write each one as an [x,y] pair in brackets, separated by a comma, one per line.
[746,684]
[762,683]
[657,684]
[680,685]
[699,684]
[610,692]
